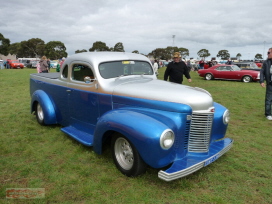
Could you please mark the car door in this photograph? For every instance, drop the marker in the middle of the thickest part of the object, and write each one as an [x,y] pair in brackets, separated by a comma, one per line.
[83,98]
[232,74]
[221,72]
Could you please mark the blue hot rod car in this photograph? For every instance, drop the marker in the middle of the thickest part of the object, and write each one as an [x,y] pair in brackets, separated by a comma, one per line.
[102,96]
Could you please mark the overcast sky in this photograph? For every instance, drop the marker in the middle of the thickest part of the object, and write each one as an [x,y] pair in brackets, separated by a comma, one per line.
[239,26]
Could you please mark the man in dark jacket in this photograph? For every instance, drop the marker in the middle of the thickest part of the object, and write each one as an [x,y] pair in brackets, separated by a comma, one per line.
[176,69]
[266,74]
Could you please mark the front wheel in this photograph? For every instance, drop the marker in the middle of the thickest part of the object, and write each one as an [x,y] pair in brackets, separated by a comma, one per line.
[39,114]
[246,79]
[126,157]
[208,76]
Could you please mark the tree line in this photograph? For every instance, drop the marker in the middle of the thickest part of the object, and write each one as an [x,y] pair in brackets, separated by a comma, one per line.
[36,47]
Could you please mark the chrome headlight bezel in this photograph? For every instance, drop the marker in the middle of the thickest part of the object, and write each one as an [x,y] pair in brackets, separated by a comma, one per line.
[226,117]
[167,139]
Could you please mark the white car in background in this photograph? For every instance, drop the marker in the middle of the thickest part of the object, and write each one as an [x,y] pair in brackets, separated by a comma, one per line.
[53,64]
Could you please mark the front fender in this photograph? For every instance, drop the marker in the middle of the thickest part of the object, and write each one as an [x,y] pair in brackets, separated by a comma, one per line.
[47,105]
[142,130]
[219,128]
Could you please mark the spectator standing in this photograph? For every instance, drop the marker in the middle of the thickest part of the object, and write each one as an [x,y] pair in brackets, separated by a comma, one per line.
[48,63]
[229,62]
[58,67]
[210,63]
[156,67]
[266,75]
[201,64]
[39,67]
[7,64]
[176,69]
[44,65]
[61,62]
[189,65]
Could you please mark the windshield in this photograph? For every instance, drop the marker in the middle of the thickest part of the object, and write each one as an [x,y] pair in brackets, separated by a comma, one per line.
[235,68]
[124,68]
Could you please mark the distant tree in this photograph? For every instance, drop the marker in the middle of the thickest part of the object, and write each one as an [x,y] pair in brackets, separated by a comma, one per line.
[32,48]
[159,53]
[99,46]
[15,49]
[118,47]
[135,51]
[80,51]
[238,56]
[169,51]
[203,53]
[55,50]
[258,57]
[4,45]
[224,54]
[184,52]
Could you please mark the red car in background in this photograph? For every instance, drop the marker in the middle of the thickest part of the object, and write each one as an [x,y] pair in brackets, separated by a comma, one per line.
[15,64]
[229,72]
[259,64]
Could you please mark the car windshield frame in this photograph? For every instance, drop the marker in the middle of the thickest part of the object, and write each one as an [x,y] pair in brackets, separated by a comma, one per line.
[119,68]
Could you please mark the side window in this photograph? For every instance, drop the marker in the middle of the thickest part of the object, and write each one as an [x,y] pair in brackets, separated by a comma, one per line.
[65,72]
[79,72]
[222,68]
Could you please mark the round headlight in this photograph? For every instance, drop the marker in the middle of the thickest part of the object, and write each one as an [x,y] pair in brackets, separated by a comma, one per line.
[167,139]
[226,117]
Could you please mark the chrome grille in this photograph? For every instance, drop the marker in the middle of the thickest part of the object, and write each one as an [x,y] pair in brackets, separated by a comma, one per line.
[187,132]
[200,131]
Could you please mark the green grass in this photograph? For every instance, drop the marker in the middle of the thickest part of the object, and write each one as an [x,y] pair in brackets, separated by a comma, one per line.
[34,156]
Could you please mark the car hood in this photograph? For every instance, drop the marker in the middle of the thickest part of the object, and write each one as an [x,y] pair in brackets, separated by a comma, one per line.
[158,90]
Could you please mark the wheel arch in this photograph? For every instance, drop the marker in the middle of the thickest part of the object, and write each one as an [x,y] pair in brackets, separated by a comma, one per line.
[47,105]
[144,138]
[212,76]
[247,75]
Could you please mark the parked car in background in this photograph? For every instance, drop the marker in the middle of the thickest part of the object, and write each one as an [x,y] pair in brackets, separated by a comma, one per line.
[15,64]
[229,72]
[247,65]
[259,64]
[33,64]
[53,64]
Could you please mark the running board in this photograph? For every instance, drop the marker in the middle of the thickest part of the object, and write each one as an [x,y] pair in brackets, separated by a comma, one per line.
[82,137]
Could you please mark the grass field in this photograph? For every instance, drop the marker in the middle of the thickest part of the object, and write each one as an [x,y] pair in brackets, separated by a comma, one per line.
[34,156]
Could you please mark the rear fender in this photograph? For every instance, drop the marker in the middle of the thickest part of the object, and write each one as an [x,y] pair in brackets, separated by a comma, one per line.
[47,105]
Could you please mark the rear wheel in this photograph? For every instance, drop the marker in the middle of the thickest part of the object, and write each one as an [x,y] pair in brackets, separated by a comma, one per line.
[246,79]
[126,157]
[208,76]
[39,114]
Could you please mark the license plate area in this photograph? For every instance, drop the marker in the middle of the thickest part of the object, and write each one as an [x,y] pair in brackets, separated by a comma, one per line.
[211,160]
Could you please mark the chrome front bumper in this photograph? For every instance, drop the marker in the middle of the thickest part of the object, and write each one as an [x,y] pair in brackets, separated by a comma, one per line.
[192,163]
